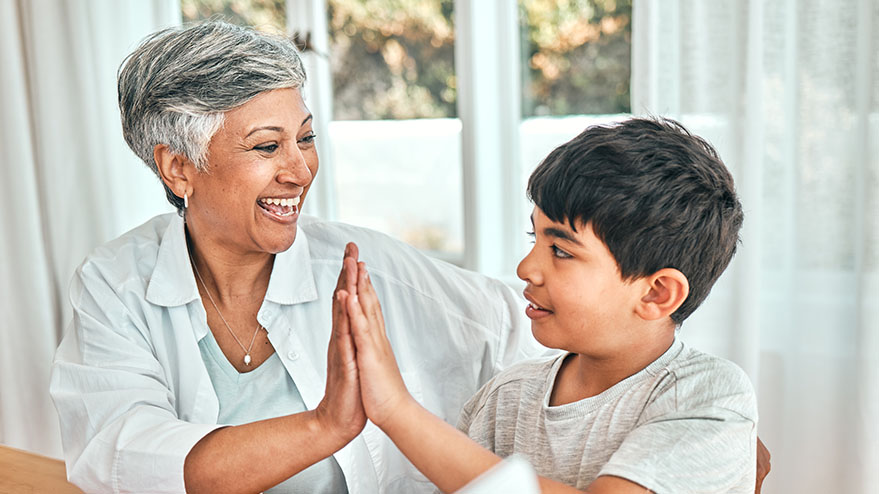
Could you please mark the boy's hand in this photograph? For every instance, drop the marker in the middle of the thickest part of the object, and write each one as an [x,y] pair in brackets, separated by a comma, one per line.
[341,410]
[763,465]
[381,385]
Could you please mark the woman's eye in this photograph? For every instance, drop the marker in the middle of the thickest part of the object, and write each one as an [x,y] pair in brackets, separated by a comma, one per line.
[560,253]
[308,139]
[267,148]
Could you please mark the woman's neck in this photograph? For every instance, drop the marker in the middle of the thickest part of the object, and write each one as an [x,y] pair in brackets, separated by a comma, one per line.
[230,276]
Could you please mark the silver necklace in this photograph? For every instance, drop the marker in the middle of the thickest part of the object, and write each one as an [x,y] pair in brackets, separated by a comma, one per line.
[258,326]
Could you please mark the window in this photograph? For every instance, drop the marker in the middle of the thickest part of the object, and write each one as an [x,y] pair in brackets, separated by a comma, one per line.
[438,110]
[396,141]
[575,73]
[265,15]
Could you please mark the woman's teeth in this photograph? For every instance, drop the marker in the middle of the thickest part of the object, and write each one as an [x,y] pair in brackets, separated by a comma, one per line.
[293,201]
[280,207]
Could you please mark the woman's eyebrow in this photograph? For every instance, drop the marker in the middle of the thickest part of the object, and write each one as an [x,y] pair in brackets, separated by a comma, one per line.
[276,128]
[268,127]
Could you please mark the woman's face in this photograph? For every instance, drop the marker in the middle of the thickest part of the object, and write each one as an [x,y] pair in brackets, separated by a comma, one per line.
[260,164]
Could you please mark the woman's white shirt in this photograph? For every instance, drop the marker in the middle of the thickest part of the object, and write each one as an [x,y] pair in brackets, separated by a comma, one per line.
[132,391]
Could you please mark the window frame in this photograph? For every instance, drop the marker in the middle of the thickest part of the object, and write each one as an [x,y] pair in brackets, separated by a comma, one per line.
[488,74]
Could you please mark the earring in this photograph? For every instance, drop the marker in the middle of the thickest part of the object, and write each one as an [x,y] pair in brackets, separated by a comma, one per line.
[185,201]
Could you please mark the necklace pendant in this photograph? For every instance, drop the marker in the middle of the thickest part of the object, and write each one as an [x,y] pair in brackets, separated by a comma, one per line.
[247,359]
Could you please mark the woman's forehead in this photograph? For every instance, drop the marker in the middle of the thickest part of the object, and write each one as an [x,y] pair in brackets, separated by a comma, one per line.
[278,109]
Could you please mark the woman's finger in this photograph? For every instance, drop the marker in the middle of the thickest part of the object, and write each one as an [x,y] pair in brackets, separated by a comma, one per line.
[340,282]
[343,331]
[341,322]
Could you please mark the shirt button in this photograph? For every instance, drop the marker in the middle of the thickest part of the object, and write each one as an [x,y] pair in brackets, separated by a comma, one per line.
[265,314]
[292,355]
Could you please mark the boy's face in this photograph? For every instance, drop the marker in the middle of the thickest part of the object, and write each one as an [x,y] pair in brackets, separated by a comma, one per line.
[578,300]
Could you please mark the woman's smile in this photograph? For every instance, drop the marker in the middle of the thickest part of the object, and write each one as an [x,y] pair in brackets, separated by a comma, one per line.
[282,209]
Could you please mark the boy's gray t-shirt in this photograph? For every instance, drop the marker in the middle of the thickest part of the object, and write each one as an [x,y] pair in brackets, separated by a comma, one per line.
[686,423]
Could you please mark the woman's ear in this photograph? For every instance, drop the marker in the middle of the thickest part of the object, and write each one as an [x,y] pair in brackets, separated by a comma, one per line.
[174,169]
[666,290]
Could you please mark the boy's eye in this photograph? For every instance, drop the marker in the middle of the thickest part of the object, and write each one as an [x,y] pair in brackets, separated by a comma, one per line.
[266,148]
[560,253]
[531,236]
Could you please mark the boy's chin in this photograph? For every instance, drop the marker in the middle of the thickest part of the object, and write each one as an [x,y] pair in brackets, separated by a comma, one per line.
[545,339]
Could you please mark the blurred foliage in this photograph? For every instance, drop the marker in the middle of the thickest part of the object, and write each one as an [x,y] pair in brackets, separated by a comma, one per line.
[577,56]
[394,59]
[265,15]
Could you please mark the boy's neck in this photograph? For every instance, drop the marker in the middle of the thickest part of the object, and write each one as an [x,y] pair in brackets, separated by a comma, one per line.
[582,376]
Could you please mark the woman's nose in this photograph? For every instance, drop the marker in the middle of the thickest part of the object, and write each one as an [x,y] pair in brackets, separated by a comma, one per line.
[295,169]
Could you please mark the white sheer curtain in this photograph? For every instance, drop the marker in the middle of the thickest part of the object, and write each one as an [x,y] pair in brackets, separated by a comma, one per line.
[67,180]
[789,93]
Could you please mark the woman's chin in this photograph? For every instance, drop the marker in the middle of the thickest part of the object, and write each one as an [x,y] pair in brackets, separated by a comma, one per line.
[281,243]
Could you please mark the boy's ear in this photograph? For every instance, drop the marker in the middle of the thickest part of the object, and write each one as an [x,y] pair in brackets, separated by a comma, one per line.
[174,169]
[665,290]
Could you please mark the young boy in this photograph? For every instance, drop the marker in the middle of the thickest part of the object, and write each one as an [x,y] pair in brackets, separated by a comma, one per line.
[633,224]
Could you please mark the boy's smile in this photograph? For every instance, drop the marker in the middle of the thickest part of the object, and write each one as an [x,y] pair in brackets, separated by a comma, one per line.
[577,298]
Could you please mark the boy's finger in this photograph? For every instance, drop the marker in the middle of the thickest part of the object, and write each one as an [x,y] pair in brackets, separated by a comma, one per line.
[365,292]
[369,299]
[359,324]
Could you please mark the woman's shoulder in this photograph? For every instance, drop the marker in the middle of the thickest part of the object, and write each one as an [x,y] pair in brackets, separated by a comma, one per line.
[394,260]
[132,253]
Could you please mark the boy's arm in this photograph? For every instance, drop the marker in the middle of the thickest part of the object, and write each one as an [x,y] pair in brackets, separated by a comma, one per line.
[442,453]
[450,459]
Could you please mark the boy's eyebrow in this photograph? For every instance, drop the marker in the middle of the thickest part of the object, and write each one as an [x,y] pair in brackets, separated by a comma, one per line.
[557,232]
[562,234]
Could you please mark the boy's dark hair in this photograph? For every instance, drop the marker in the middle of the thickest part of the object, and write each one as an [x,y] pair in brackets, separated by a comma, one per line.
[655,194]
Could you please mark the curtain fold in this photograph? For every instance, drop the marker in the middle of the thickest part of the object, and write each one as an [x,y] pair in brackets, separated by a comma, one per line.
[788,91]
[69,181]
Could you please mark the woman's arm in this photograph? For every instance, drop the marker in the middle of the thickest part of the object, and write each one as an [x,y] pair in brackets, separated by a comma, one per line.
[256,456]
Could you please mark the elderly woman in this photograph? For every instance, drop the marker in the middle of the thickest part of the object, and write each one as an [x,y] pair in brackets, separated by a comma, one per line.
[198,359]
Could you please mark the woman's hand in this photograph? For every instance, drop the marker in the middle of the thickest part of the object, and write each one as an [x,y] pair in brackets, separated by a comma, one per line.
[341,410]
[381,385]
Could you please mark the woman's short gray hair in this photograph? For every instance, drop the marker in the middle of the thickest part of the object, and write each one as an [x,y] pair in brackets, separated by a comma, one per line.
[175,87]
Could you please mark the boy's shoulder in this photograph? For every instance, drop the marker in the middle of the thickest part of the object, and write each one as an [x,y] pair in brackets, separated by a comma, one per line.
[694,380]
[527,381]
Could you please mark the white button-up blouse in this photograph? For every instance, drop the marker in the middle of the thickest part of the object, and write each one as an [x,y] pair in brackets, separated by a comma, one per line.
[132,391]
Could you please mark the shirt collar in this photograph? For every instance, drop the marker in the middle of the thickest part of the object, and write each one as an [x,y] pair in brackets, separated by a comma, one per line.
[292,280]
[172,282]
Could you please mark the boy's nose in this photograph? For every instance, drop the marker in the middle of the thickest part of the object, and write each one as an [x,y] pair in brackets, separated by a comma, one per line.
[526,270]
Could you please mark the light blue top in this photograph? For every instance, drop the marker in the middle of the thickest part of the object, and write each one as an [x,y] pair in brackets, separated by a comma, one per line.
[265,392]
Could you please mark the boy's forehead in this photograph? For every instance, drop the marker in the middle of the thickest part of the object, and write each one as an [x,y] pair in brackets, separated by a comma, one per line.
[563,224]
[560,229]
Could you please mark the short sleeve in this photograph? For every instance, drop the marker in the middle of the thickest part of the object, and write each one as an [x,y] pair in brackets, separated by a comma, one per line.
[713,452]
[698,434]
